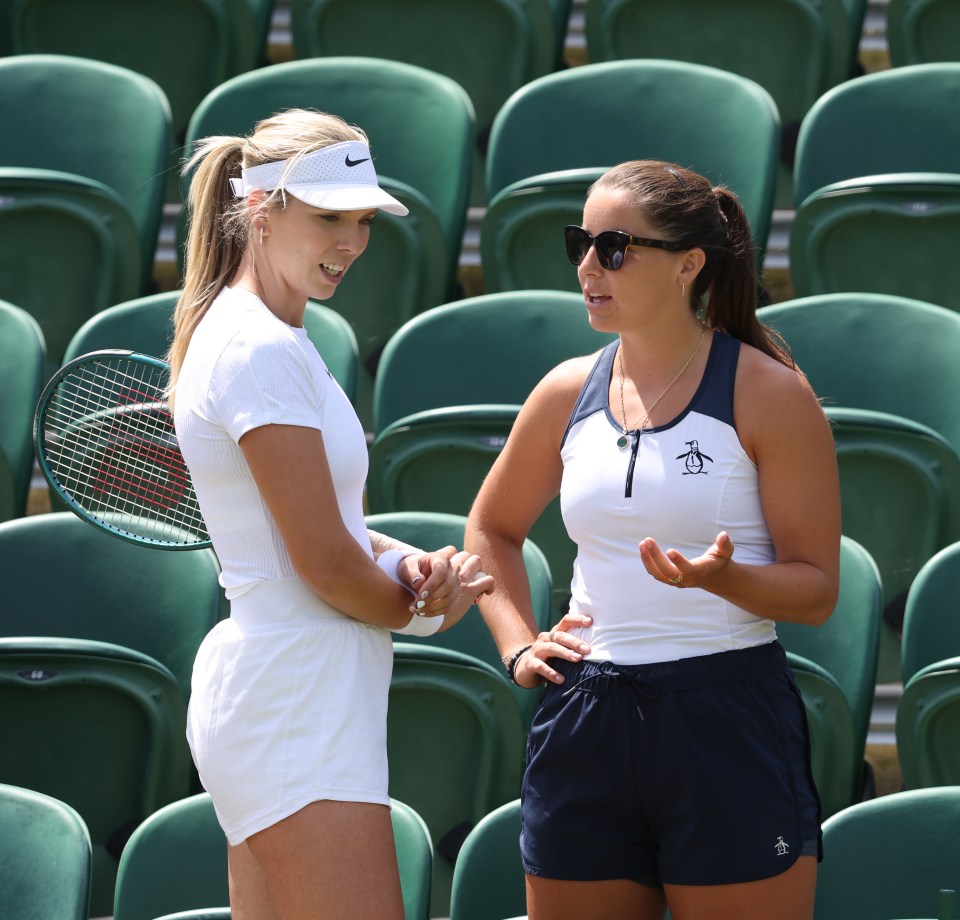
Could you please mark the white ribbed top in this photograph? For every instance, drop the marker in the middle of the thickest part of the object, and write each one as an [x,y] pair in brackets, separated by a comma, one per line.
[246,368]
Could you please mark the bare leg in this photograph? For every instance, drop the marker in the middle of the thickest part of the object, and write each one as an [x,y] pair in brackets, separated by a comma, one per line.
[788,896]
[249,895]
[329,861]
[617,899]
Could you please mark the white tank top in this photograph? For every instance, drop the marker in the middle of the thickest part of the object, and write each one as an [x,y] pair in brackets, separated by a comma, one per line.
[680,483]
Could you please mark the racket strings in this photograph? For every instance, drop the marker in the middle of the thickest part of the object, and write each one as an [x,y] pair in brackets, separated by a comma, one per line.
[110,442]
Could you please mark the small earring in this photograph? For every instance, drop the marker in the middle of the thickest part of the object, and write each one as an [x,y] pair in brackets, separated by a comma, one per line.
[683,287]
[261,234]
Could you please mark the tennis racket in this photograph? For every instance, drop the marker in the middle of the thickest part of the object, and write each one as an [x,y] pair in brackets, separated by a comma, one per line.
[105,442]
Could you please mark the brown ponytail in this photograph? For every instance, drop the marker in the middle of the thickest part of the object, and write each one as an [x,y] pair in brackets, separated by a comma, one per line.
[689,210]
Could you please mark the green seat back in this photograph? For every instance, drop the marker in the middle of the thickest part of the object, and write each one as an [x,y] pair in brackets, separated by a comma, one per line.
[893,356]
[795,49]
[922,31]
[719,124]
[521,236]
[187,47]
[489,47]
[931,625]
[45,852]
[432,530]
[156,602]
[70,249]
[98,726]
[836,761]
[493,348]
[93,119]
[890,234]
[847,644]
[175,860]
[890,857]
[22,357]
[488,880]
[435,375]
[894,121]
[146,325]
[454,712]
[420,124]
[928,726]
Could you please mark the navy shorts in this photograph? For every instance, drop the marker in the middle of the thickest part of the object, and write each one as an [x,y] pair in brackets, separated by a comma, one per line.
[690,772]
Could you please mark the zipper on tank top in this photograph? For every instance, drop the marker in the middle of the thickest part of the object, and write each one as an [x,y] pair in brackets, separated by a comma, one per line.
[634,450]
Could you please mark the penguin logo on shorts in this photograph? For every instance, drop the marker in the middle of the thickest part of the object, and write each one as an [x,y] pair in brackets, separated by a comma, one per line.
[781,847]
[693,459]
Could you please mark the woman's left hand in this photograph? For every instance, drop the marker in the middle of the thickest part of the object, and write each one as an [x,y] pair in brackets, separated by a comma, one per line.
[447,582]
[674,569]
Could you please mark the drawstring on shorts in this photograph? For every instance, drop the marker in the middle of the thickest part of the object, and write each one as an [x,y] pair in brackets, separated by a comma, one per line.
[640,687]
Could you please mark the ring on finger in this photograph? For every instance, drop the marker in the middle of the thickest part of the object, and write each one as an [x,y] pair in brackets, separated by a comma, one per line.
[550,636]
[677,580]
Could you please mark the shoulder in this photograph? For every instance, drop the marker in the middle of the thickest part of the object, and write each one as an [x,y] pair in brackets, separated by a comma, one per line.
[774,400]
[560,388]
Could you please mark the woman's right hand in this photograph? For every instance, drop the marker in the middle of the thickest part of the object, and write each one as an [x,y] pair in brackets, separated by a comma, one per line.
[533,669]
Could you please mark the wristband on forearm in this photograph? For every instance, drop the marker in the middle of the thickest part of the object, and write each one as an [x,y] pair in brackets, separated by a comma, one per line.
[417,625]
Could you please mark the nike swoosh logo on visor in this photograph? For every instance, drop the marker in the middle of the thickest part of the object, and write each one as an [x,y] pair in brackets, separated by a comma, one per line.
[350,162]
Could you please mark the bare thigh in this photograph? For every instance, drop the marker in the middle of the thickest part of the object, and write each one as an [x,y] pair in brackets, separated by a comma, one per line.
[616,899]
[788,896]
[328,861]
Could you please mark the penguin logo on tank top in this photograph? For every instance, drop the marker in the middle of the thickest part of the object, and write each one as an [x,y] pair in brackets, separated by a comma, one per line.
[693,460]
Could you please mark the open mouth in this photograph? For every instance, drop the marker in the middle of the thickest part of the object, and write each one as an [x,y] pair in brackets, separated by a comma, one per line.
[333,269]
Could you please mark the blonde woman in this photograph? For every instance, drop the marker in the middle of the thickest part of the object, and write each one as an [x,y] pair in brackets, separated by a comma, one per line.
[287,719]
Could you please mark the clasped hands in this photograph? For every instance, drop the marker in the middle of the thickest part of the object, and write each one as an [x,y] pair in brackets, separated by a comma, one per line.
[446,581]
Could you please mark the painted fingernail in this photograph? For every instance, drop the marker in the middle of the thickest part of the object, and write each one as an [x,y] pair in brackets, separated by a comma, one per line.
[417,579]
[421,604]
[425,594]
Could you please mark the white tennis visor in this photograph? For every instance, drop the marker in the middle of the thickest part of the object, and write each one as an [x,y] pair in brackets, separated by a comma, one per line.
[337,178]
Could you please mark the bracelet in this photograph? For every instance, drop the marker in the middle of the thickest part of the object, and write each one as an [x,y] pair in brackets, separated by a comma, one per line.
[511,663]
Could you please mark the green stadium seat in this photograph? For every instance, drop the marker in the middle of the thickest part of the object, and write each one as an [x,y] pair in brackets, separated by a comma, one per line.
[928,714]
[458,715]
[488,880]
[45,852]
[890,857]
[795,49]
[922,31]
[894,121]
[888,234]
[846,647]
[490,47]
[448,389]
[22,361]
[187,47]
[431,530]
[717,123]
[896,357]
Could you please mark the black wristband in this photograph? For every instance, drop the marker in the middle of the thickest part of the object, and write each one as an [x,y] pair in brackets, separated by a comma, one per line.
[511,662]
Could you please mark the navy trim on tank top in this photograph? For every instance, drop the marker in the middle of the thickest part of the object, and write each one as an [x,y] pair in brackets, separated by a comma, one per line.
[713,398]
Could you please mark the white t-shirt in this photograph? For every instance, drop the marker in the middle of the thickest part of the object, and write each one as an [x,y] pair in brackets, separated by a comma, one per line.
[246,368]
[681,483]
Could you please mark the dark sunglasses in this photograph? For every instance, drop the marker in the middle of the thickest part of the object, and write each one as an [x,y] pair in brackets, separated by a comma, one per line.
[610,245]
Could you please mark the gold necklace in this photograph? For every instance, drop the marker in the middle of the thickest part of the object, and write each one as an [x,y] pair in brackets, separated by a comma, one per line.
[623,440]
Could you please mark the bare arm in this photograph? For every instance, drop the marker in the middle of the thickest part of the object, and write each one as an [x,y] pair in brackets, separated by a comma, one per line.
[784,429]
[523,480]
[304,506]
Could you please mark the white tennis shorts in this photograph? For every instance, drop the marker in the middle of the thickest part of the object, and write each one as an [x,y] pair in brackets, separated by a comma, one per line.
[288,706]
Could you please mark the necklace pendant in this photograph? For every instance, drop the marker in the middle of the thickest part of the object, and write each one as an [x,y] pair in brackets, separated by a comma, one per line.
[623,441]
